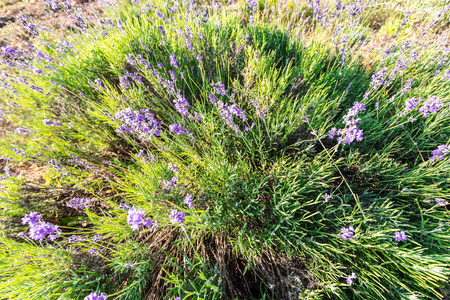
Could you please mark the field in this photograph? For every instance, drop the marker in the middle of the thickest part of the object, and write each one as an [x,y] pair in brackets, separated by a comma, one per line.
[252,149]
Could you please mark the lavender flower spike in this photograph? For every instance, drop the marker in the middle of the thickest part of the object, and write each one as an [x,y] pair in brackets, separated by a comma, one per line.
[400,236]
[93,296]
[438,154]
[350,278]
[176,216]
[188,200]
[347,232]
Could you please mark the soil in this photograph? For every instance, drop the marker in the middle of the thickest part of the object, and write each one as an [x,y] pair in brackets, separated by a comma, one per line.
[13,34]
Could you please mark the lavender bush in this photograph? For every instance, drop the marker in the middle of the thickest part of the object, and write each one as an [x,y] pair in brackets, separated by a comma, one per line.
[182,143]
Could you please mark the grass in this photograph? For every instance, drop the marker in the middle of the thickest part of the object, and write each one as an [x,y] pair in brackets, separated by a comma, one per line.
[259,164]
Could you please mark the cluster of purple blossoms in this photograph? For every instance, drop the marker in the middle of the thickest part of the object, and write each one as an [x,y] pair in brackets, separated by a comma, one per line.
[173,168]
[253,7]
[219,88]
[39,229]
[400,236]
[30,27]
[55,165]
[51,123]
[97,85]
[80,203]
[176,216]
[378,79]
[141,123]
[75,239]
[171,184]
[7,176]
[327,197]
[176,129]
[135,218]
[146,156]
[129,265]
[431,106]
[124,206]
[407,87]
[181,104]
[94,296]
[188,200]
[97,238]
[350,279]
[227,112]
[124,80]
[347,232]
[412,103]
[351,132]
[17,151]
[438,154]
[441,202]
[31,219]
[53,4]
[173,60]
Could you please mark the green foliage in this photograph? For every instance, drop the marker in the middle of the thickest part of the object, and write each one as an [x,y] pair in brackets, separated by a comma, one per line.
[263,180]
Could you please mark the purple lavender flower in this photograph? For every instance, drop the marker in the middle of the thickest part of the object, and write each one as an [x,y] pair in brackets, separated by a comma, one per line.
[176,129]
[31,219]
[80,203]
[353,111]
[161,28]
[431,106]
[438,154]
[441,202]
[36,89]
[351,133]
[188,201]
[98,84]
[173,75]
[173,60]
[39,230]
[327,197]
[252,5]
[136,77]
[378,79]
[124,206]
[123,82]
[212,98]
[176,216]
[152,224]
[407,87]
[73,239]
[171,184]
[347,232]
[350,278]
[181,104]
[400,236]
[55,165]
[412,103]
[141,123]
[93,296]
[129,265]
[97,238]
[135,218]
[219,88]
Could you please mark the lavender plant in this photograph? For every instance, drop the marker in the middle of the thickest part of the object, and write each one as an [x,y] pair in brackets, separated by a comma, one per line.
[283,139]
